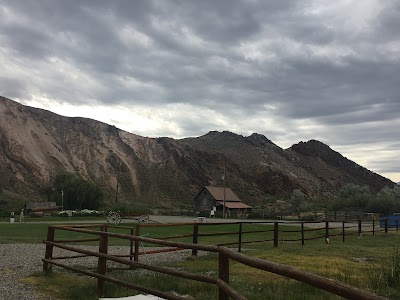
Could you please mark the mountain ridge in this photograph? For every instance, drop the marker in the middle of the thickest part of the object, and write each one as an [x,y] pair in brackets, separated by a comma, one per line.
[36,144]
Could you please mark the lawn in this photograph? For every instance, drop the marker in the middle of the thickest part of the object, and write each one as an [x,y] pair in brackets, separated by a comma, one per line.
[29,219]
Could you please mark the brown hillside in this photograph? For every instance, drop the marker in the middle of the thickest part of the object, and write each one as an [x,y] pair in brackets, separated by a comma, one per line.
[36,145]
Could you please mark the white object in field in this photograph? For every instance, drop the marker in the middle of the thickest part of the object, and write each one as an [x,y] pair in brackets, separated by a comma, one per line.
[113,218]
[144,219]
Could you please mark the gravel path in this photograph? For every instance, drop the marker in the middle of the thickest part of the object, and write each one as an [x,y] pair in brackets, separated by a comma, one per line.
[20,260]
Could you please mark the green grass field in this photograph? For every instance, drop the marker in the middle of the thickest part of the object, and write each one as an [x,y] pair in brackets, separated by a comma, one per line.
[362,262]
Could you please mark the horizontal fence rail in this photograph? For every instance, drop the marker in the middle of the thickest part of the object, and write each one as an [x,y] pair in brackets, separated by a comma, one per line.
[277,234]
[224,257]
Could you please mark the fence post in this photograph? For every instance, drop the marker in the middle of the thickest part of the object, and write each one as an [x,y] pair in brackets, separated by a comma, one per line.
[49,249]
[326,230]
[223,274]
[102,262]
[195,237]
[302,233]
[276,234]
[240,237]
[131,249]
[343,231]
[359,228]
[397,226]
[386,225]
[373,227]
[137,233]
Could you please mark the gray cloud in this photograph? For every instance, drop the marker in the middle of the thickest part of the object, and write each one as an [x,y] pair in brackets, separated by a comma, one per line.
[291,70]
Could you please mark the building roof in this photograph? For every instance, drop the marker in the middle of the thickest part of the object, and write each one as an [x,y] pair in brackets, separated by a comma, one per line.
[234,204]
[218,193]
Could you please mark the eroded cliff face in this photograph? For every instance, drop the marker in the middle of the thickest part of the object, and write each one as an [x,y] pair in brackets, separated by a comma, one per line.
[36,145]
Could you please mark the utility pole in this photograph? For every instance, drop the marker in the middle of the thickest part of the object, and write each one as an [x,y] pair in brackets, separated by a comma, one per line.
[223,208]
[116,193]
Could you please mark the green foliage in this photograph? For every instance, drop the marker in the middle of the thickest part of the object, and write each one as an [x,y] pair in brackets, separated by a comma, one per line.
[74,191]
[381,205]
[353,195]
[298,201]
[353,191]
[386,202]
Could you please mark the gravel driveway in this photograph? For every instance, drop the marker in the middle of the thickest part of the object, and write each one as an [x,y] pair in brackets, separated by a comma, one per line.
[18,261]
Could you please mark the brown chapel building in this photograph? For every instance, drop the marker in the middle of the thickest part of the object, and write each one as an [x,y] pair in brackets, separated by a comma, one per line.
[213,196]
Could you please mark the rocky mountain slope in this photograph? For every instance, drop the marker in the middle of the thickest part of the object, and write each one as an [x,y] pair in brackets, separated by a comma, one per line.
[36,145]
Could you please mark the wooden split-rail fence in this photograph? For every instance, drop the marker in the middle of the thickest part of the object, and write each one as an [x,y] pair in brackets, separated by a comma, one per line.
[225,255]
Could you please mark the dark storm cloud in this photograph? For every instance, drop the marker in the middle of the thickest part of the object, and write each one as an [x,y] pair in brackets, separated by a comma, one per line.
[316,69]
[26,41]
[389,22]
[368,133]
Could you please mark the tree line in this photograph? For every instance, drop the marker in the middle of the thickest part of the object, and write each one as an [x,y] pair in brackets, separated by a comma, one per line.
[351,197]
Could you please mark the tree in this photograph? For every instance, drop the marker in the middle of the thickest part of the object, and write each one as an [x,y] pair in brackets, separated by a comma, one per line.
[78,193]
[297,199]
[386,202]
[353,196]
[382,205]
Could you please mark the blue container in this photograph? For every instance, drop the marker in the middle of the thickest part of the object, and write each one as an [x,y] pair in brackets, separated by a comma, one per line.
[393,221]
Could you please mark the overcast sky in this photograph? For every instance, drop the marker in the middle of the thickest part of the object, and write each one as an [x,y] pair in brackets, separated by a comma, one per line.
[291,70]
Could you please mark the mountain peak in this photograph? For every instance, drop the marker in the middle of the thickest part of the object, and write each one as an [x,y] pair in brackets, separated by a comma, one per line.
[316,151]
[311,147]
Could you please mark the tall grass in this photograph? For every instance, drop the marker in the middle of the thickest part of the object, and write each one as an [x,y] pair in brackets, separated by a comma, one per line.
[386,276]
